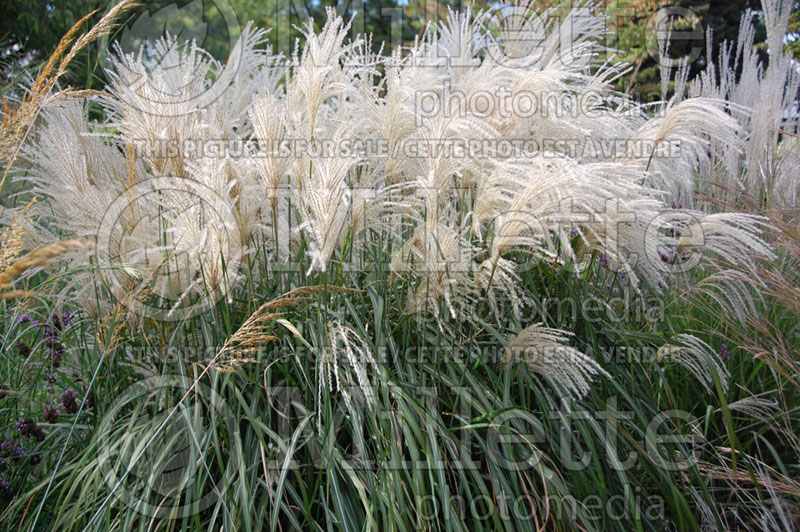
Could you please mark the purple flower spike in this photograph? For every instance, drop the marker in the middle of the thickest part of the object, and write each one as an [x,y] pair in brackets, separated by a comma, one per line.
[69,400]
[5,489]
[57,355]
[50,413]
[28,427]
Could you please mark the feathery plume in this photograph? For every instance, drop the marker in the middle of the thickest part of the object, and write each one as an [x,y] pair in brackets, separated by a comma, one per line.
[568,371]
[696,356]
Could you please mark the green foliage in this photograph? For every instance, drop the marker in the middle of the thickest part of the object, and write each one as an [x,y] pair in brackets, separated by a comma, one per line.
[37,26]
[793,43]
[457,440]
[193,425]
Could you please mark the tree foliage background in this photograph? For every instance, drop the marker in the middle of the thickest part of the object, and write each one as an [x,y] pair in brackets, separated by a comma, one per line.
[31,29]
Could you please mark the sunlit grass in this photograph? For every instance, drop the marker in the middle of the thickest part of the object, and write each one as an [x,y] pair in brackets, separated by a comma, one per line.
[335,365]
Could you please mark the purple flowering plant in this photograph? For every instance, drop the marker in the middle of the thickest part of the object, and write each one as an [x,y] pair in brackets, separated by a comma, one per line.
[38,395]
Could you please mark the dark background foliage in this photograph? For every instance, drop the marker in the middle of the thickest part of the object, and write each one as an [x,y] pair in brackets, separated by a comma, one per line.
[31,29]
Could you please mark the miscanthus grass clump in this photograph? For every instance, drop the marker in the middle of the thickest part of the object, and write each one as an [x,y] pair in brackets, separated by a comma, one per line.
[419,160]
[381,234]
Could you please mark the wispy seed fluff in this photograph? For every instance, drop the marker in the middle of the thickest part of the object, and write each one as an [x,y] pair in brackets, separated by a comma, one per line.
[456,223]
[697,357]
[342,366]
[546,353]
